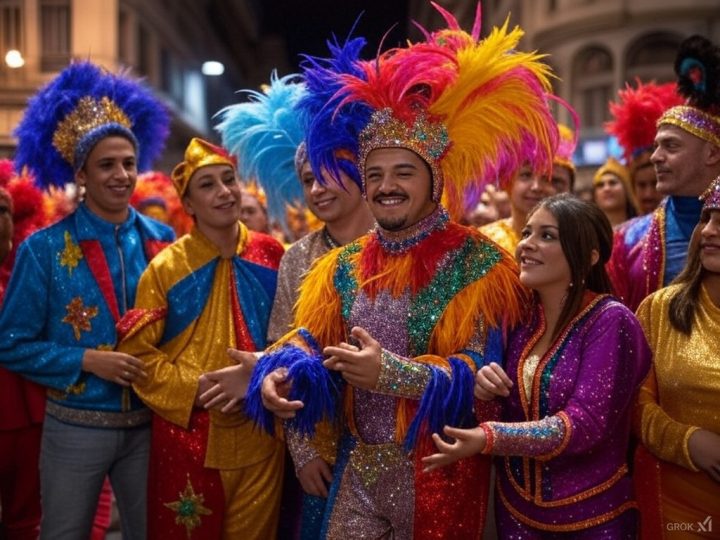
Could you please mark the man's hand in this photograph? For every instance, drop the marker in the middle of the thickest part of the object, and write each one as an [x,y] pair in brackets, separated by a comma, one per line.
[275,390]
[360,366]
[224,388]
[704,449]
[467,443]
[315,476]
[113,366]
[491,381]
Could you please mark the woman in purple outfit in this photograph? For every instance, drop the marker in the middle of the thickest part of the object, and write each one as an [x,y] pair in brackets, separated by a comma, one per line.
[570,376]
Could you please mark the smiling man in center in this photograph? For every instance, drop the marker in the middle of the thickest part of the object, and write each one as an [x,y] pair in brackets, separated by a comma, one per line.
[403,317]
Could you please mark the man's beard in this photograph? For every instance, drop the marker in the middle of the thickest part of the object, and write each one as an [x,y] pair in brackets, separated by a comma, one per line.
[392,224]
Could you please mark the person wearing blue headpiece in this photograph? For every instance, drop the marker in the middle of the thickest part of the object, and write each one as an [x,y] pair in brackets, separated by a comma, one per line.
[299,148]
[71,284]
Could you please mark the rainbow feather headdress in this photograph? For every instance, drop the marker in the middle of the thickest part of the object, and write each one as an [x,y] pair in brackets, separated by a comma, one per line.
[331,128]
[635,116]
[697,66]
[81,106]
[473,110]
[264,134]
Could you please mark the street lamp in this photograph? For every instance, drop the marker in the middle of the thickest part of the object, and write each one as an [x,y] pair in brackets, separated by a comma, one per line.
[14,59]
[212,68]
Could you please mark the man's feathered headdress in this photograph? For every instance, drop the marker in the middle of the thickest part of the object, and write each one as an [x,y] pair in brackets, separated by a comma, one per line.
[264,134]
[331,130]
[635,115]
[475,111]
[78,108]
[697,66]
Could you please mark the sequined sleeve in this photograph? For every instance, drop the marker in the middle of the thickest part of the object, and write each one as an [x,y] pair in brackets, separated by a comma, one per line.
[171,385]
[24,319]
[402,377]
[304,449]
[541,439]
[301,451]
[664,437]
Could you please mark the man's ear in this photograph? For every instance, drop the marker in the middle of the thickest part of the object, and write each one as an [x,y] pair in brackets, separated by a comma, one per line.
[187,205]
[81,177]
[713,154]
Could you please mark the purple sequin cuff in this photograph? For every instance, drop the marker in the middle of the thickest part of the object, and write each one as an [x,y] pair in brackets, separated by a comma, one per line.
[301,451]
[539,439]
[402,377]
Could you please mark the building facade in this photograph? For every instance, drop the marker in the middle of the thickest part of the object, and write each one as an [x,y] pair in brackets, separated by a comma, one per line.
[164,41]
[597,46]
[594,46]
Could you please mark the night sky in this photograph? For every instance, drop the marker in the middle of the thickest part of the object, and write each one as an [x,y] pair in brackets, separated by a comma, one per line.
[307,24]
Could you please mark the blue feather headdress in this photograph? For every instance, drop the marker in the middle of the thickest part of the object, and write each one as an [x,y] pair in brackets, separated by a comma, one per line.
[81,106]
[331,133]
[264,134]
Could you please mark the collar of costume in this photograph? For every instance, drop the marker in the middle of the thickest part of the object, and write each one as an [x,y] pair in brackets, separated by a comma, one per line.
[402,241]
[211,249]
[103,226]
[328,239]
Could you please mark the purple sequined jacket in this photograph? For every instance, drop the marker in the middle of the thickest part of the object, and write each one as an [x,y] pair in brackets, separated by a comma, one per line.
[565,447]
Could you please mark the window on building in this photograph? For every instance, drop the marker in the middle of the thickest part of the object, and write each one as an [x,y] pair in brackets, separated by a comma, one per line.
[124,37]
[54,34]
[592,87]
[10,26]
[171,77]
[651,57]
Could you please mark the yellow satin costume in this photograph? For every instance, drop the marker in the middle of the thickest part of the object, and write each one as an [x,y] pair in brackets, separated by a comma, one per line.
[193,305]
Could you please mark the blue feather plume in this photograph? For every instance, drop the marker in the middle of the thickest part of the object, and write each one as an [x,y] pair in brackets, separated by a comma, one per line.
[313,384]
[446,401]
[148,116]
[263,133]
[327,127]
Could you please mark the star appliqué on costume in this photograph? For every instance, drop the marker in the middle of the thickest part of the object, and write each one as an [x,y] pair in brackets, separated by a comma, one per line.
[189,508]
[71,255]
[78,316]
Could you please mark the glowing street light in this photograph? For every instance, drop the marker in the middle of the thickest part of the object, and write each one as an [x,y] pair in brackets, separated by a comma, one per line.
[212,68]
[14,59]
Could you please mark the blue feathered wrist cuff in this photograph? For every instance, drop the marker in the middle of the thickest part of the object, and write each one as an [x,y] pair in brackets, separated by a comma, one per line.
[448,400]
[317,387]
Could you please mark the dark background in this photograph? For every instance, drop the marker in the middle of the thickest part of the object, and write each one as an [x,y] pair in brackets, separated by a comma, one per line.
[307,25]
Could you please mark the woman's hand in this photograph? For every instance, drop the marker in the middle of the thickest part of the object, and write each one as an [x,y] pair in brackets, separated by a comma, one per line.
[704,449]
[491,381]
[467,443]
